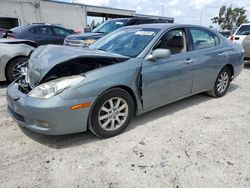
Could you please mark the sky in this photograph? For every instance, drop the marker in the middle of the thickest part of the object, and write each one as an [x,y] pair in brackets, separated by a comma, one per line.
[184,11]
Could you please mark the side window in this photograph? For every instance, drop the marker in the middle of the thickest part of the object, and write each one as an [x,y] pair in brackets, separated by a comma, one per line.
[43,30]
[174,40]
[61,32]
[203,39]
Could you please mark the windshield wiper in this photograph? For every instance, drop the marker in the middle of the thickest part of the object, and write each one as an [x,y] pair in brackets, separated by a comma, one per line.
[97,32]
[101,49]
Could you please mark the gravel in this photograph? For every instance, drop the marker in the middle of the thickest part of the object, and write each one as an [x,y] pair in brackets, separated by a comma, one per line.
[196,142]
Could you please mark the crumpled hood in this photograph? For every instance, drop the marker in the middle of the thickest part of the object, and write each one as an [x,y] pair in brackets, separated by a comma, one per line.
[44,58]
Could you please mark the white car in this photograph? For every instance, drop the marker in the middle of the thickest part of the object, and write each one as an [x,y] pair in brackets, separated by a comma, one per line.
[14,54]
[242,36]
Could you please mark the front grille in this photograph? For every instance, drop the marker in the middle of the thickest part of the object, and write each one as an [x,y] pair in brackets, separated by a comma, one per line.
[24,88]
[73,42]
[23,85]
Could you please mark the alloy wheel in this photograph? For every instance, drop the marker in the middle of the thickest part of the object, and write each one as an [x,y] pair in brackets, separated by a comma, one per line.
[223,82]
[113,113]
[19,69]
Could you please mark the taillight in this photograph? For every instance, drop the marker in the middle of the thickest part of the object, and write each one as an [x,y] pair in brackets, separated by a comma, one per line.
[11,36]
[231,38]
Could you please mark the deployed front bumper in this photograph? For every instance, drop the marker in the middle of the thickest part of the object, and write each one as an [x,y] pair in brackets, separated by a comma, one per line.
[51,116]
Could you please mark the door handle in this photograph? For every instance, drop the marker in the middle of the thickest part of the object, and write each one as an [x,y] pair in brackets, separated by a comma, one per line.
[222,54]
[189,61]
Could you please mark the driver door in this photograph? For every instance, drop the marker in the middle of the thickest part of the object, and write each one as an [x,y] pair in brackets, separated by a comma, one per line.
[167,80]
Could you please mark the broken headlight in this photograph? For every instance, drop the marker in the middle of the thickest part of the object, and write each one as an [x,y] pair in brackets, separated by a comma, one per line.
[54,87]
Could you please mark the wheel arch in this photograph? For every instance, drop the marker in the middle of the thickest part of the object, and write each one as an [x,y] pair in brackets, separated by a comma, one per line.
[123,87]
[231,68]
[129,91]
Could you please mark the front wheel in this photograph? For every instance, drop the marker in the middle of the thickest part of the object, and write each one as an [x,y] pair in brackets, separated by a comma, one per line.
[222,83]
[111,113]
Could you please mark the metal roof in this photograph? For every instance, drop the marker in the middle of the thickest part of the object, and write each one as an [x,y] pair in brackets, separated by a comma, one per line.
[81,4]
[131,12]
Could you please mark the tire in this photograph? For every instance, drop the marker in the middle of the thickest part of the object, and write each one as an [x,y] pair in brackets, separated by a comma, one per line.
[222,83]
[105,121]
[12,71]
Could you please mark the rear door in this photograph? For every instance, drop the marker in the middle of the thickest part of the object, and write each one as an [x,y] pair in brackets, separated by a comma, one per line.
[210,56]
[166,80]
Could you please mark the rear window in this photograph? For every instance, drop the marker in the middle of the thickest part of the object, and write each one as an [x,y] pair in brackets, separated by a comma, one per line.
[61,32]
[203,39]
[19,28]
[244,30]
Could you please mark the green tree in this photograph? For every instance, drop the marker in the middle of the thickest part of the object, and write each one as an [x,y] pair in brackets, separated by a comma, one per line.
[229,17]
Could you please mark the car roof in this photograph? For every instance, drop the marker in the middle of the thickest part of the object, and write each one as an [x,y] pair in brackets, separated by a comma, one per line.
[134,20]
[246,24]
[119,19]
[38,24]
[164,26]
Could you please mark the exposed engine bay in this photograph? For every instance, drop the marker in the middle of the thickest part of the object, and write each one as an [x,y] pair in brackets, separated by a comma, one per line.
[72,67]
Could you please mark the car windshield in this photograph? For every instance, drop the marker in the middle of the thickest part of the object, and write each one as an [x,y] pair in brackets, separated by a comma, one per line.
[109,26]
[244,30]
[128,42]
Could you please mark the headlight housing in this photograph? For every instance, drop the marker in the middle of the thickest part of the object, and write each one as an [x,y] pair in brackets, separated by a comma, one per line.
[54,87]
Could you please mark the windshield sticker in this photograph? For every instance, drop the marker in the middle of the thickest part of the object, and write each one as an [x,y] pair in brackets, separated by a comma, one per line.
[119,23]
[147,33]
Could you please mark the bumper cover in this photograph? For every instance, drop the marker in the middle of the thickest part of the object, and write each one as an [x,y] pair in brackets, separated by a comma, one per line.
[55,112]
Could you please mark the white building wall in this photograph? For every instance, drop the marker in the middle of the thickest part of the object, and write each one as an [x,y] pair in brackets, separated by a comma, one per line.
[27,11]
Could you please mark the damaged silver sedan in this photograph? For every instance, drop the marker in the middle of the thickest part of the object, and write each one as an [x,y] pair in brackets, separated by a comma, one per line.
[126,73]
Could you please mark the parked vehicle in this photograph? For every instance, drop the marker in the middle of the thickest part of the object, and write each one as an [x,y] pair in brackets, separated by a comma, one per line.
[128,72]
[2,32]
[86,39]
[225,33]
[40,33]
[242,36]
[14,55]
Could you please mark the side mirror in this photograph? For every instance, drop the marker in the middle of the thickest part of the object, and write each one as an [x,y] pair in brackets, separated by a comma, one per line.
[159,54]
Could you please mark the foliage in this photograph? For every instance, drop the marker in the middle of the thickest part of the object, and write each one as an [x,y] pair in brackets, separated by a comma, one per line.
[229,17]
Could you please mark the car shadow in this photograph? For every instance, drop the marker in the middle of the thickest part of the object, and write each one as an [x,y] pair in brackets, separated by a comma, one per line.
[173,108]
[62,141]
[247,64]
[72,140]
[3,84]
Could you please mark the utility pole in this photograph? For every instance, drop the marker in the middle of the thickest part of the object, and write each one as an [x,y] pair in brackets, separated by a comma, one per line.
[201,15]
[162,9]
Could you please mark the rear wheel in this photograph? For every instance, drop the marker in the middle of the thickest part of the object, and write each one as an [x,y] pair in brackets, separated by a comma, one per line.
[222,83]
[15,68]
[111,113]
